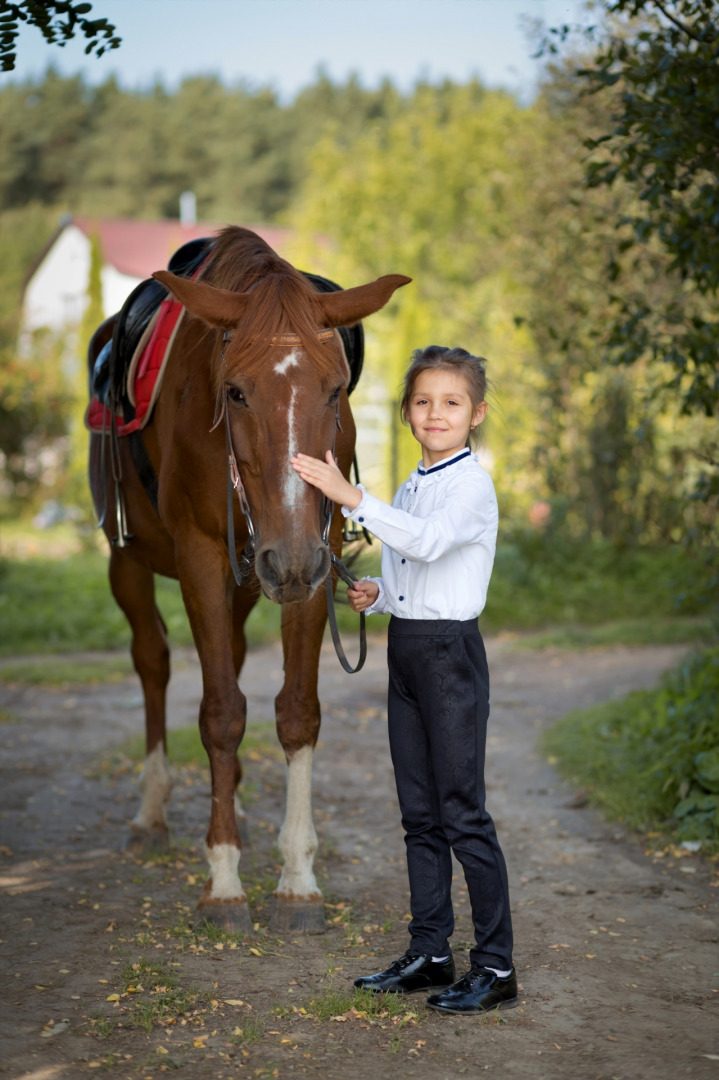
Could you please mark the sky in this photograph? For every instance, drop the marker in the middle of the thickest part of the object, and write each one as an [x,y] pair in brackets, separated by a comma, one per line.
[282,43]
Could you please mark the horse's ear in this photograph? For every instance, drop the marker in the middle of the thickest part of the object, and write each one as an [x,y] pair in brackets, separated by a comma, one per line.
[348,306]
[218,307]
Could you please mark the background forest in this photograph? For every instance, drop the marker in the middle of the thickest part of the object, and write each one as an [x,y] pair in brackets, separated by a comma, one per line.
[484,202]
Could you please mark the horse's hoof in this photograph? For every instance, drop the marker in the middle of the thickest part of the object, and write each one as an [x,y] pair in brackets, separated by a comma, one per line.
[142,842]
[298,916]
[230,916]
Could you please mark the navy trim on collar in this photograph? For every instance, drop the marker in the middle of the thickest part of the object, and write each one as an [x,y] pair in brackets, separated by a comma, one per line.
[444,464]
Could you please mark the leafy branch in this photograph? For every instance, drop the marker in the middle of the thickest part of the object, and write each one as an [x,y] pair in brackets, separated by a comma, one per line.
[58,21]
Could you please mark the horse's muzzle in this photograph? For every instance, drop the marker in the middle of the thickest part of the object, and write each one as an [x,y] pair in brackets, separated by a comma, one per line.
[288,578]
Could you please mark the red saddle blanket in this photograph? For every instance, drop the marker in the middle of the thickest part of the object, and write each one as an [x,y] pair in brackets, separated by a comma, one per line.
[144,376]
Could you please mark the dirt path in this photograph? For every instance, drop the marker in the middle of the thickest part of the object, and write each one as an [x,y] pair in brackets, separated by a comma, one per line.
[616,950]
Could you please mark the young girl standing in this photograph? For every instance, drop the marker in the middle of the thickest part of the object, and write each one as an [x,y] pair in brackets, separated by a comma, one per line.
[438,541]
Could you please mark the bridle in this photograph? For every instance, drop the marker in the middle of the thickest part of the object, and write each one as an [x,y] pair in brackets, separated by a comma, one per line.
[243,569]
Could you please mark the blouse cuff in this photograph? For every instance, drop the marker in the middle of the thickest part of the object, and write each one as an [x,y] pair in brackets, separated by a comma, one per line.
[346,512]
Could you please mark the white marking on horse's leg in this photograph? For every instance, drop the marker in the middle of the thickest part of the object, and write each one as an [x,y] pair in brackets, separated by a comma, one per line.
[224,881]
[298,839]
[156,785]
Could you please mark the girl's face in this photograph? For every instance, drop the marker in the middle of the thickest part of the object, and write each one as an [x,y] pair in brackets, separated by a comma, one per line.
[440,414]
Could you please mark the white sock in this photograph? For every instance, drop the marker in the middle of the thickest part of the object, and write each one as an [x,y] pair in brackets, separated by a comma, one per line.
[439,959]
[499,974]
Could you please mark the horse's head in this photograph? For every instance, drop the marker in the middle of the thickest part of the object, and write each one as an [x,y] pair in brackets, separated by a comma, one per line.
[282,373]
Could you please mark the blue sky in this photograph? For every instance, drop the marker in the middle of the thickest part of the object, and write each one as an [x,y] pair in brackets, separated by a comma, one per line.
[282,42]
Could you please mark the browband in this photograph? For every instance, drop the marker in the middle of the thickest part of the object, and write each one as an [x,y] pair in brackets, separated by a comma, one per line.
[287,339]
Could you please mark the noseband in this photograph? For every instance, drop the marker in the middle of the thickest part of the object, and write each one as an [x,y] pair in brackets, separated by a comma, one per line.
[242,570]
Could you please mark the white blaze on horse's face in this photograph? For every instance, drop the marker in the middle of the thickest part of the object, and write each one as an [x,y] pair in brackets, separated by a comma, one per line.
[292,485]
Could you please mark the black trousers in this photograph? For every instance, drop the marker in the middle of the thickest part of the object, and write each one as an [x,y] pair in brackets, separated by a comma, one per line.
[438,711]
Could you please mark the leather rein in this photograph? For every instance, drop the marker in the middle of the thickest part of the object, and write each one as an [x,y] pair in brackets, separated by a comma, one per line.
[243,569]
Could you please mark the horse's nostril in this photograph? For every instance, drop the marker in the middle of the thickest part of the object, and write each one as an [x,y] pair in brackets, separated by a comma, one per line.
[321,566]
[270,566]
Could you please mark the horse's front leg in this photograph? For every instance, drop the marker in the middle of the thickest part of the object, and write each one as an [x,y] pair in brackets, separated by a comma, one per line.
[299,903]
[203,572]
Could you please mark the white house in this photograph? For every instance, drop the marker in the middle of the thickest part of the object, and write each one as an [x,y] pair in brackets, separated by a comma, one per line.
[56,291]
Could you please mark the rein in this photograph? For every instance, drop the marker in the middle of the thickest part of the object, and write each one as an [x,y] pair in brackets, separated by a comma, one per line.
[242,570]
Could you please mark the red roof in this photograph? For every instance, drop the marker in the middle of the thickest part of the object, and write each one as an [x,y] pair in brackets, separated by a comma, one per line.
[137,248]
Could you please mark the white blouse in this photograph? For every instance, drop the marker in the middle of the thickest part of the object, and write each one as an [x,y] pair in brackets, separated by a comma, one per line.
[439,538]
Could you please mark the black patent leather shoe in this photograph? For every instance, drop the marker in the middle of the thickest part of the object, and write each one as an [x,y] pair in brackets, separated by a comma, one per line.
[412,972]
[479,991]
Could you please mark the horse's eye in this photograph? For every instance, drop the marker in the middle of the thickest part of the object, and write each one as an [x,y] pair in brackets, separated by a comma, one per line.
[235,394]
[335,394]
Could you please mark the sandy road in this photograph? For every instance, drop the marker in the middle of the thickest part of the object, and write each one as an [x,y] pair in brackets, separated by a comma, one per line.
[616,950]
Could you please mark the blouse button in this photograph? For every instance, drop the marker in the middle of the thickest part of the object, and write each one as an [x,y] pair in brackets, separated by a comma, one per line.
[404,560]
[361,519]
[400,598]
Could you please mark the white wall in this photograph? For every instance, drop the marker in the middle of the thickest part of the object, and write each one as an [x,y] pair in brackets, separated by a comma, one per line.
[56,294]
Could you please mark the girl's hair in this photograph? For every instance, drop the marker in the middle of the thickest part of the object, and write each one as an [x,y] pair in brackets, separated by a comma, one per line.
[436,357]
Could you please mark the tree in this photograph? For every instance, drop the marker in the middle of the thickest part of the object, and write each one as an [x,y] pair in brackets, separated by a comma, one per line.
[658,64]
[58,21]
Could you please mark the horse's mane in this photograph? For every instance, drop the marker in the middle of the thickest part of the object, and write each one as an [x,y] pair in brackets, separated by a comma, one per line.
[282,301]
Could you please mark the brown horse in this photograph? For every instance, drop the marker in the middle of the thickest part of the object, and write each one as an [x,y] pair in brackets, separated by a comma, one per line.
[255,347]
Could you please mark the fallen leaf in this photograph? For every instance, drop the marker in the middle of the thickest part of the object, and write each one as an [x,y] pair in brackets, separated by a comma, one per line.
[561,945]
[161,1050]
[55,1029]
[233,1001]
[255,952]
[591,956]
[113,997]
[238,1031]
[612,1038]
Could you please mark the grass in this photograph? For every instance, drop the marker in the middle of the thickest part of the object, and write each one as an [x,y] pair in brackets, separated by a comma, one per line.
[184,745]
[568,593]
[66,672]
[368,1006]
[163,998]
[651,760]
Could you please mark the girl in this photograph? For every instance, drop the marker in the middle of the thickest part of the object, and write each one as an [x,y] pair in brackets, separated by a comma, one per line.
[438,540]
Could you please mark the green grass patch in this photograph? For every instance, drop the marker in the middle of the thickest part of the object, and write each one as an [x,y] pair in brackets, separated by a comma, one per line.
[651,760]
[66,672]
[184,745]
[678,630]
[335,1001]
[64,605]
[540,581]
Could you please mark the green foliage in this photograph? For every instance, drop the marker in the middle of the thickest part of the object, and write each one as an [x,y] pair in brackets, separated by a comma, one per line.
[34,389]
[66,673]
[652,759]
[58,21]
[540,580]
[656,65]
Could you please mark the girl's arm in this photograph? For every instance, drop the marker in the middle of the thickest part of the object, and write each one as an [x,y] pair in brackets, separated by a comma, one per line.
[469,511]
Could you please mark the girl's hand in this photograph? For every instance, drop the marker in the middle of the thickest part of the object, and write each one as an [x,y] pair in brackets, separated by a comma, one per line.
[362,594]
[326,476]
